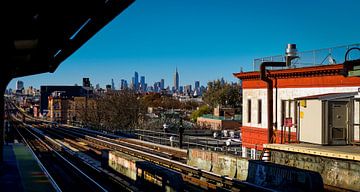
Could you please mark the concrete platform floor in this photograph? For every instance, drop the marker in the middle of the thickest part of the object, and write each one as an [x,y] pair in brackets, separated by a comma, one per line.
[349,152]
[21,172]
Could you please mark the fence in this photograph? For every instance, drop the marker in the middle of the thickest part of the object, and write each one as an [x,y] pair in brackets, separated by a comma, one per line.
[326,56]
[199,142]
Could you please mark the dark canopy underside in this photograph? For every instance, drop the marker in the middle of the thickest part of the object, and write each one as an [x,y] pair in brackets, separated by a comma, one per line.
[36,36]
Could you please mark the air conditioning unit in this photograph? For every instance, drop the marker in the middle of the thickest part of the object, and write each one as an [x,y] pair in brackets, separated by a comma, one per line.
[253,154]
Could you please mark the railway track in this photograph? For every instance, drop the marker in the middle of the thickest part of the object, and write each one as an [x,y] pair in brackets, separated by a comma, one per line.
[192,175]
[96,141]
[68,171]
[166,152]
[66,175]
[197,184]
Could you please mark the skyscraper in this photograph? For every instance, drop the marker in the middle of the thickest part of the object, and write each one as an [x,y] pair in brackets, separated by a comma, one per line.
[86,82]
[176,80]
[162,84]
[19,85]
[156,87]
[123,84]
[112,84]
[187,89]
[222,81]
[136,81]
[142,83]
[197,84]
[132,85]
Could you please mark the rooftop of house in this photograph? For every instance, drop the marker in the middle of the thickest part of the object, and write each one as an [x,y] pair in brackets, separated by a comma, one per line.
[314,62]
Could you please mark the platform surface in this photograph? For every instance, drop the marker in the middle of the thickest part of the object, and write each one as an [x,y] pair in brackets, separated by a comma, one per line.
[21,172]
[348,152]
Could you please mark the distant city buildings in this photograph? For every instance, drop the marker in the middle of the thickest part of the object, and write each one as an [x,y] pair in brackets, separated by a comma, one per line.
[136,81]
[123,84]
[187,90]
[197,84]
[108,88]
[112,84]
[176,81]
[60,103]
[142,87]
[162,84]
[19,86]
[86,82]
[137,84]
[31,91]
[66,91]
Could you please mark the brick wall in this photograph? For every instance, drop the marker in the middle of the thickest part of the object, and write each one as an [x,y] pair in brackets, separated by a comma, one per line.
[253,137]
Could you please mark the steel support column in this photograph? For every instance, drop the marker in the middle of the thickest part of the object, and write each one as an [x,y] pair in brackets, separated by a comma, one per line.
[3,84]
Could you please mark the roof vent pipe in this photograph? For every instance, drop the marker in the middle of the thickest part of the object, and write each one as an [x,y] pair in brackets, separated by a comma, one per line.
[290,53]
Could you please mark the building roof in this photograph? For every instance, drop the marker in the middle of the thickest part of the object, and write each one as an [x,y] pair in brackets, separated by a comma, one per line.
[322,70]
[329,96]
[38,35]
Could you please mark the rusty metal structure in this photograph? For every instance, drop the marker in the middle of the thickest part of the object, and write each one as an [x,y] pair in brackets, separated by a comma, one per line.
[39,35]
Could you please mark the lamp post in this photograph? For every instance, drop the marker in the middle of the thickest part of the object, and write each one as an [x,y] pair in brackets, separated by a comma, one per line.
[290,54]
[227,143]
[181,132]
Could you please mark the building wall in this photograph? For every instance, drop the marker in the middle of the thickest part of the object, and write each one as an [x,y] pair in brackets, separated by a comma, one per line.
[311,122]
[70,91]
[257,135]
[285,94]
[254,138]
[217,124]
[58,109]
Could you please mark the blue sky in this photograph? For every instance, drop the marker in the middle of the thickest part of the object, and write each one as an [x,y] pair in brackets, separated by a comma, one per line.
[205,39]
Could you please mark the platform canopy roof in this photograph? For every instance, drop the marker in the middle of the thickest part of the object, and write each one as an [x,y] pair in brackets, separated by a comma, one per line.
[37,35]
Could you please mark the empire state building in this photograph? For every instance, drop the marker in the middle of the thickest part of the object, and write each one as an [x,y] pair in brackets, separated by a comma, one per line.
[176,80]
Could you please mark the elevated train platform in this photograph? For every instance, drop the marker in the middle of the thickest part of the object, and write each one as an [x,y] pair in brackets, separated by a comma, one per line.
[339,166]
[21,172]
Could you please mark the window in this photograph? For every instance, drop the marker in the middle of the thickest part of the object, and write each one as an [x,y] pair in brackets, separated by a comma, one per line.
[259,111]
[283,112]
[249,110]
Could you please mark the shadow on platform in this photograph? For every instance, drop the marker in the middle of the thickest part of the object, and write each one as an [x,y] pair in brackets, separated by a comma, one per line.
[21,172]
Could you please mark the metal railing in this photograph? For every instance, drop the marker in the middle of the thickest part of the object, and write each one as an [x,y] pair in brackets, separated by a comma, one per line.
[325,56]
[189,142]
[211,116]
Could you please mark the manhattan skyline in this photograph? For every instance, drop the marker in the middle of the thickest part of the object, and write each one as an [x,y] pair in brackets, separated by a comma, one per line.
[206,40]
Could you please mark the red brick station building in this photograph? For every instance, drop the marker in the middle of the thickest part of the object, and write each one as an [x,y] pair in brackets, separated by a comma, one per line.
[317,104]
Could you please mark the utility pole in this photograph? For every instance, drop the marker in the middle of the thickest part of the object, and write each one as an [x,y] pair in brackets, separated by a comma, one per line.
[181,132]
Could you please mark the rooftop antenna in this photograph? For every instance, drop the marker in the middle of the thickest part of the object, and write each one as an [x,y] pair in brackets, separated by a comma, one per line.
[331,60]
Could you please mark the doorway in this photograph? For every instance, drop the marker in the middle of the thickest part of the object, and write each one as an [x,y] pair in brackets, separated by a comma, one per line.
[338,122]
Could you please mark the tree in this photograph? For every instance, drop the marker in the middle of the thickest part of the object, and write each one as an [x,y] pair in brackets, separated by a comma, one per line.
[124,110]
[205,109]
[224,94]
[111,111]
[164,101]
